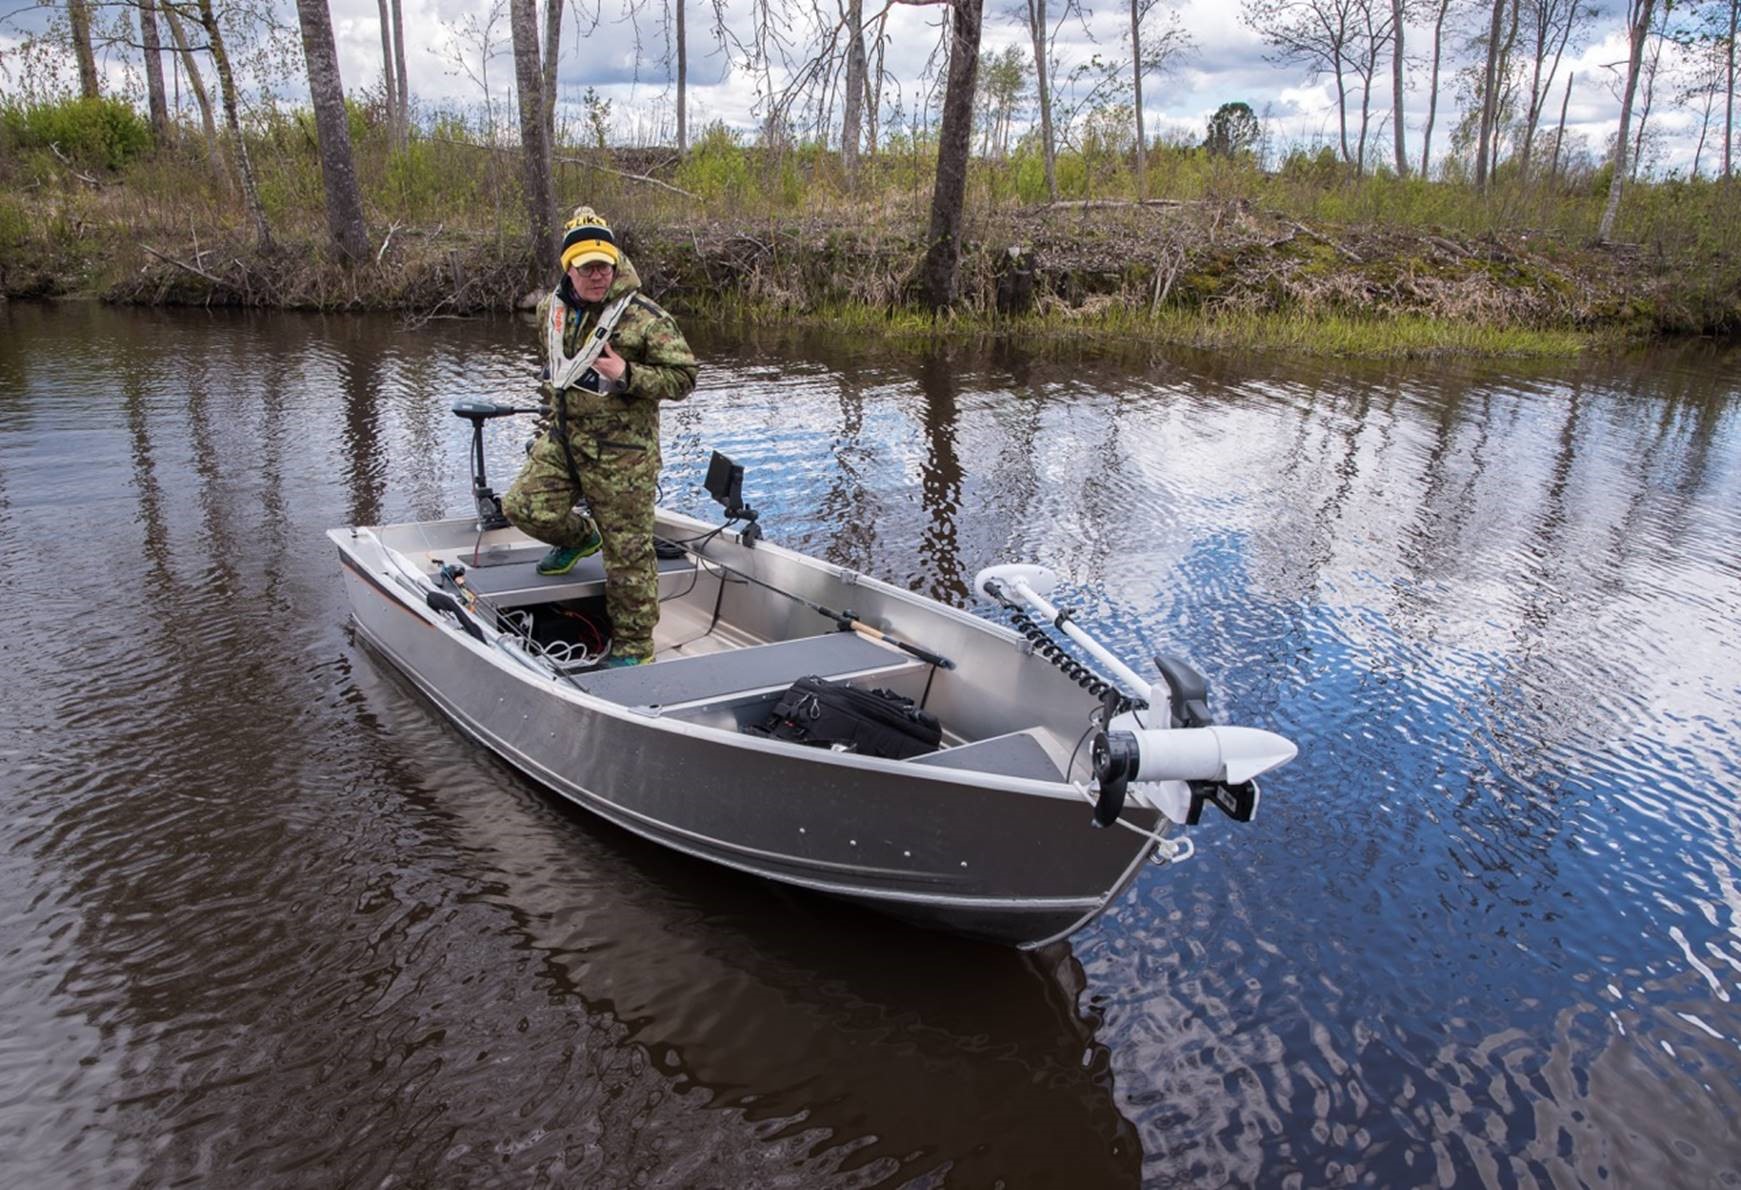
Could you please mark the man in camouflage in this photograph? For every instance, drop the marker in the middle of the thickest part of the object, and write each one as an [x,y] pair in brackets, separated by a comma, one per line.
[602,446]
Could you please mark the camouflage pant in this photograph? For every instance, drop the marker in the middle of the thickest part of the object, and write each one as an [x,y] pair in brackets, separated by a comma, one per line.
[617,481]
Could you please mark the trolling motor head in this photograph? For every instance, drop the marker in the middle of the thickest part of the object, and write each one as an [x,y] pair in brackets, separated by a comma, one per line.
[485,500]
[725,483]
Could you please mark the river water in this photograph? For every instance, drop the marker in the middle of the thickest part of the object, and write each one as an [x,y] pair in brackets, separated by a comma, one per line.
[266,919]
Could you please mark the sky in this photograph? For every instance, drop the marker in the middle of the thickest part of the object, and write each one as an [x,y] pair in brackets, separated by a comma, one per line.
[1227,62]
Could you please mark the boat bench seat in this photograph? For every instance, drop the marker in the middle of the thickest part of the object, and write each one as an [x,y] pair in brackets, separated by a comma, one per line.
[514,583]
[736,673]
[1013,754]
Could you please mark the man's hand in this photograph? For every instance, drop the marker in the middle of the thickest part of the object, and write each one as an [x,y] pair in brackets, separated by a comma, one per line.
[610,365]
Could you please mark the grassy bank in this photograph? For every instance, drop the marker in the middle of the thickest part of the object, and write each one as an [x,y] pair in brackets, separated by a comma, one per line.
[1305,258]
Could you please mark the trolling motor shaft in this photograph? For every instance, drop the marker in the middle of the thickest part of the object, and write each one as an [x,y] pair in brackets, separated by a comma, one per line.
[484,498]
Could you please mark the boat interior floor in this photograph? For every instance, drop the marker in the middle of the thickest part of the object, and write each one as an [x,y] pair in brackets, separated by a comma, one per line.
[711,672]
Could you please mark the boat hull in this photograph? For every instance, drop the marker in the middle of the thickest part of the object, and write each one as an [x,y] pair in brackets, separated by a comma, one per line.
[1007,860]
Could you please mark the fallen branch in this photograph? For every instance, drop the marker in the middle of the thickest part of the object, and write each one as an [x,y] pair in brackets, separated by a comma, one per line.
[54,148]
[625,174]
[182,264]
[1349,253]
[393,227]
[1097,204]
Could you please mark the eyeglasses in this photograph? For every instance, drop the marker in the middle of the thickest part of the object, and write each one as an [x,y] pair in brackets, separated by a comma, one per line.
[594,268]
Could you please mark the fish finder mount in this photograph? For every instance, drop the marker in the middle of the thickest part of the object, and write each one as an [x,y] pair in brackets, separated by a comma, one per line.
[725,483]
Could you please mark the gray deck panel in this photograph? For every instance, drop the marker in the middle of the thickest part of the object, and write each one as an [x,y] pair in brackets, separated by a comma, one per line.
[756,667]
[518,577]
[1017,754]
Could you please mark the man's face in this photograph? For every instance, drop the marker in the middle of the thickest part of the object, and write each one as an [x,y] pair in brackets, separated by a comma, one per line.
[592,280]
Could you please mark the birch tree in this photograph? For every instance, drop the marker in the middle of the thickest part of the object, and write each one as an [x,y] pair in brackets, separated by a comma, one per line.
[1549,25]
[1396,80]
[1441,10]
[195,83]
[1639,14]
[344,202]
[215,45]
[389,79]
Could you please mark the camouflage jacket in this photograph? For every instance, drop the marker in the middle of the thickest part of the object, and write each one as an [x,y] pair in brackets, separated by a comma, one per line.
[660,365]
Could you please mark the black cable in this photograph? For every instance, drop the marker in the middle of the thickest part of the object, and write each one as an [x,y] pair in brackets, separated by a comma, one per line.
[1049,650]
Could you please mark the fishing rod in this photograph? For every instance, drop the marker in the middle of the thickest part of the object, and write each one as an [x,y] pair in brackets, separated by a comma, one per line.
[1191,758]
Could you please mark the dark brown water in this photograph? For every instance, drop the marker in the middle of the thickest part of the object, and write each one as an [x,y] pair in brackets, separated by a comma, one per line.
[265,919]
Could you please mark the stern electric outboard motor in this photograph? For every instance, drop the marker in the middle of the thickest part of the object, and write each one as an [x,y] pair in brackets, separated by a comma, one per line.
[1187,758]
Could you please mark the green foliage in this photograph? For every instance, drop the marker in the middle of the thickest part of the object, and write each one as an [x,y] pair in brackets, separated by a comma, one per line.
[429,180]
[1233,129]
[717,167]
[15,225]
[93,132]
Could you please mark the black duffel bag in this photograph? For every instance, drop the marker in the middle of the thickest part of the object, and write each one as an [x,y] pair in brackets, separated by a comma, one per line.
[870,722]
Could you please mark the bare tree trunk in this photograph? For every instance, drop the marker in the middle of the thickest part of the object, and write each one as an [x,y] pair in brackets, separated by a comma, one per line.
[954,138]
[873,90]
[1638,14]
[78,14]
[401,118]
[552,55]
[1489,95]
[1037,29]
[1136,78]
[682,81]
[1648,75]
[389,82]
[1729,102]
[1433,88]
[852,118]
[1402,157]
[1560,136]
[195,83]
[534,149]
[153,50]
[1499,76]
[344,202]
[233,118]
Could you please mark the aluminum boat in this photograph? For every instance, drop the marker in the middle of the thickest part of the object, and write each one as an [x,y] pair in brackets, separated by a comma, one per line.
[1050,789]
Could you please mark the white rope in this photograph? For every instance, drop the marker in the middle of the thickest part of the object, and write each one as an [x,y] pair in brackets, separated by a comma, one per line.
[1167,851]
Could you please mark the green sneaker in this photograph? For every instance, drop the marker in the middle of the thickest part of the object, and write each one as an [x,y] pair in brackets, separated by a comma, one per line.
[616,662]
[560,560]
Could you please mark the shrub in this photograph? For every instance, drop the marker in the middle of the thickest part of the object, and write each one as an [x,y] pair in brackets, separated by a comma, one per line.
[99,132]
[717,167]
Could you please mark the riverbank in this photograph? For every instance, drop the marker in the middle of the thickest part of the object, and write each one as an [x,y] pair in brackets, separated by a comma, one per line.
[1236,272]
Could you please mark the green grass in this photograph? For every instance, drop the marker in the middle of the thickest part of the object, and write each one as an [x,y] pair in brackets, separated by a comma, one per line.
[1295,333]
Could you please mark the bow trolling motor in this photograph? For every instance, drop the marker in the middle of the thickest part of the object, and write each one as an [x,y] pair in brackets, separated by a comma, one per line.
[1187,756]
[485,500]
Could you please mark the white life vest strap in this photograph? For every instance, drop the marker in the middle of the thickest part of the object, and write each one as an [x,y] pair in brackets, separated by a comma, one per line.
[565,371]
